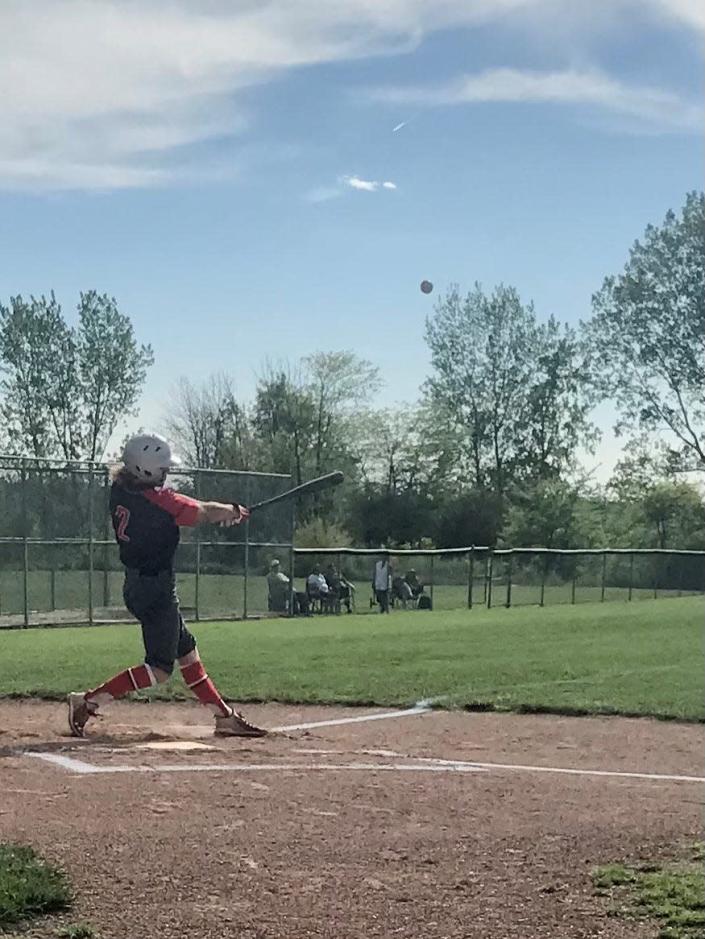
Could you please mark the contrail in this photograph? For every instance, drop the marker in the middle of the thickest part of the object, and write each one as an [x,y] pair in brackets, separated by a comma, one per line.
[399,126]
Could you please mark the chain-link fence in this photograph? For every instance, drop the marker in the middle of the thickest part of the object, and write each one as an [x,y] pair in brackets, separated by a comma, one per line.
[462,578]
[59,562]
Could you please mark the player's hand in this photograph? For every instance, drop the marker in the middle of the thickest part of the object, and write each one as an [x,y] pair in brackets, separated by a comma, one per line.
[242,513]
[238,514]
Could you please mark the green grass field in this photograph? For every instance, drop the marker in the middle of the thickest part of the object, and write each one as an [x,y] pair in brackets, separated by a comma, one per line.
[644,658]
[672,895]
[28,886]
[223,594]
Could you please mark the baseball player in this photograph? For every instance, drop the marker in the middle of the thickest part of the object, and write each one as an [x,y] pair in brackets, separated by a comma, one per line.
[146,518]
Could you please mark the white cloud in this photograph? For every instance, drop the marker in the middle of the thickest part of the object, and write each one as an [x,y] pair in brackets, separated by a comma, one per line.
[363,185]
[111,93]
[592,88]
[689,12]
[366,185]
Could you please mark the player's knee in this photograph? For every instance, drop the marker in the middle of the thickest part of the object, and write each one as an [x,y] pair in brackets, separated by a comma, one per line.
[160,669]
[160,674]
[190,658]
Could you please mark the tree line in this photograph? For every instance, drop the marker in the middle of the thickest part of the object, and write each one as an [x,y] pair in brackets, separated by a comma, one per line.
[489,454]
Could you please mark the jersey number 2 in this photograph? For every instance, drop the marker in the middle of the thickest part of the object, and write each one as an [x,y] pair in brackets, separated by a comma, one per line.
[123,516]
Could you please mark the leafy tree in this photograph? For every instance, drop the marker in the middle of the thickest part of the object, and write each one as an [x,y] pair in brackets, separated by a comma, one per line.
[515,391]
[112,368]
[471,518]
[341,384]
[37,352]
[640,468]
[648,328]
[379,517]
[558,402]
[547,514]
[65,389]
[675,514]
[284,421]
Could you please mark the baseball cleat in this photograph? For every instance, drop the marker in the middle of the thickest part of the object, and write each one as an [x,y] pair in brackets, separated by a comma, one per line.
[79,713]
[235,725]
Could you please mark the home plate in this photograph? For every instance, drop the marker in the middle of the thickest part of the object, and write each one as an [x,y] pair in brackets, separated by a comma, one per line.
[173,745]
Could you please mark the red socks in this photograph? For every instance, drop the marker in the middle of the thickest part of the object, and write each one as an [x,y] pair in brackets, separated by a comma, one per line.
[198,681]
[132,679]
[142,676]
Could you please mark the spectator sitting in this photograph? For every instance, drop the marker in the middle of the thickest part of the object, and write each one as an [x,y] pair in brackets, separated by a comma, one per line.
[277,588]
[414,583]
[317,584]
[401,590]
[340,588]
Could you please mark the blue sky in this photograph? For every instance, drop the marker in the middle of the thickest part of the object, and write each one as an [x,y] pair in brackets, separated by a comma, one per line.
[219,167]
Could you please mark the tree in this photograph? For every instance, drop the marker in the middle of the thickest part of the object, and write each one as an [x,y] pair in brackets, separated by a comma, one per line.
[39,405]
[112,368]
[285,422]
[208,425]
[341,384]
[379,517]
[479,373]
[515,391]
[471,518]
[64,389]
[558,402]
[547,514]
[676,515]
[648,328]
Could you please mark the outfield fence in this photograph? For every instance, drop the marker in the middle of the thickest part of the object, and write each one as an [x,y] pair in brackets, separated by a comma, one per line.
[481,576]
[59,562]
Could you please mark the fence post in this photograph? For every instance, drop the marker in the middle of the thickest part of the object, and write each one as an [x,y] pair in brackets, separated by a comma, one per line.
[490,560]
[471,574]
[90,544]
[572,586]
[510,570]
[604,576]
[544,572]
[25,547]
[52,589]
[631,575]
[292,559]
[106,538]
[247,568]
[339,605]
[197,582]
[680,580]
[431,584]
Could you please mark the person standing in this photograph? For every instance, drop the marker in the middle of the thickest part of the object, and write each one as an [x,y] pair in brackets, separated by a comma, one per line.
[381,579]
[146,519]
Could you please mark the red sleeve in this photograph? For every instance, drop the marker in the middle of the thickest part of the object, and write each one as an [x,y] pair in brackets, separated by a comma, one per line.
[183,509]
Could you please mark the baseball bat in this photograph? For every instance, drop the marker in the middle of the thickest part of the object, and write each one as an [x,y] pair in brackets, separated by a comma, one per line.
[305,489]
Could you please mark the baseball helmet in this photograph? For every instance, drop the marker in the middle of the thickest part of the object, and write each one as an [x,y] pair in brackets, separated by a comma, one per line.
[148,457]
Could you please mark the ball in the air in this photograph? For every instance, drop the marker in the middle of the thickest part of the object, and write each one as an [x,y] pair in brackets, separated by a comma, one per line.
[426,286]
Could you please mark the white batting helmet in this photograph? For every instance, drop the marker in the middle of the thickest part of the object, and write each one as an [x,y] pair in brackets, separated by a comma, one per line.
[148,457]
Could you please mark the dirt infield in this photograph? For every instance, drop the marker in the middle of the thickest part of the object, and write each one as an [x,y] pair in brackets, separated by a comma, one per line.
[440,824]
